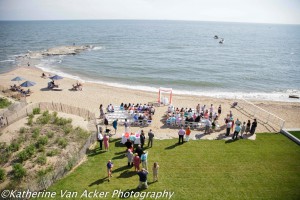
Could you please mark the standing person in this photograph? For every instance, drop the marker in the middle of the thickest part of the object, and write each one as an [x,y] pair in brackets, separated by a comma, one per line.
[236,131]
[129,156]
[100,138]
[219,110]
[144,159]
[243,128]
[109,166]
[142,138]
[126,125]
[155,171]
[143,178]
[248,127]
[207,126]
[253,127]
[101,111]
[136,162]
[181,134]
[151,136]
[105,121]
[139,150]
[129,145]
[228,127]
[115,125]
[106,142]
[187,133]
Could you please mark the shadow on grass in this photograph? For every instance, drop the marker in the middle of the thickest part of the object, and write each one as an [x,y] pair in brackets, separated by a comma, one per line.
[98,182]
[131,191]
[172,146]
[230,141]
[127,174]
[94,152]
[121,169]
[119,144]
[115,140]
[121,152]
[121,156]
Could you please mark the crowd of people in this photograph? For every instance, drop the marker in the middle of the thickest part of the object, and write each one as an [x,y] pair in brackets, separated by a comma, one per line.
[19,89]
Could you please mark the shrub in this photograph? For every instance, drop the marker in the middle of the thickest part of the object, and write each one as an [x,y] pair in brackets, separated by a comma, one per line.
[5,155]
[22,130]
[62,121]
[14,146]
[80,133]
[50,134]
[54,114]
[36,111]
[45,118]
[62,142]
[4,103]
[43,172]
[67,128]
[30,122]
[70,164]
[26,153]
[2,175]
[18,171]
[41,160]
[31,116]
[43,140]
[35,133]
[53,152]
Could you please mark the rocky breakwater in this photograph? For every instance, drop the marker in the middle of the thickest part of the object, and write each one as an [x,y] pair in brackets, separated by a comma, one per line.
[55,51]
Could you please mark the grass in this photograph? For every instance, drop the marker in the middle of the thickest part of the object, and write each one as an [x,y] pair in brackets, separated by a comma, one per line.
[4,103]
[267,168]
[295,133]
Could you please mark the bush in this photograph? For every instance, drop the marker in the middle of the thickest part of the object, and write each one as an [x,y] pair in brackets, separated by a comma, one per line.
[22,130]
[43,172]
[41,160]
[62,121]
[53,152]
[35,133]
[45,118]
[80,133]
[62,142]
[4,103]
[18,171]
[36,111]
[50,134]
[67,128]
[54,114]
[2,175]
[30,122]
[26,153]
[43,140]
[5,156]
[31,116]
[14,146]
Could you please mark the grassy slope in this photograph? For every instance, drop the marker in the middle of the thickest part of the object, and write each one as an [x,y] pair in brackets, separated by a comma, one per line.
[268,168]
[295,133]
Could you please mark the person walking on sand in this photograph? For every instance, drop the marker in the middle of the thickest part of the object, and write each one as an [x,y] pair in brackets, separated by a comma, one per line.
[136,162]
[253,127]
[187,133]
[181,134]
[106,142]
[109,167]
[150,139]
[155,171]
[126,125]
[236,132]
[219,110]
[143,178]
[101,111]
[115,125]
[142,138]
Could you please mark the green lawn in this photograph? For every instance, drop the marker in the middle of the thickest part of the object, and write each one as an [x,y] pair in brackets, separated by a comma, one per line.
[295,133]
[267,168]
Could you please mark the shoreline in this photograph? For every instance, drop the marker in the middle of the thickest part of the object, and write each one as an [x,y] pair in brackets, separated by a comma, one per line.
[94,94]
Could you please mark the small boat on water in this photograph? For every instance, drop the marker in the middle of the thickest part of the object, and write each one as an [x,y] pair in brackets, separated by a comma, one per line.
[294,96]
[221,41]
[216,37]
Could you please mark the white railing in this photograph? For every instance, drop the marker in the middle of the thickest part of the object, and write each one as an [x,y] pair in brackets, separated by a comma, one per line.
[261,114]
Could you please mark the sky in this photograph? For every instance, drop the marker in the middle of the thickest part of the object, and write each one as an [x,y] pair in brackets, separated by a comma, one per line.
[256,11]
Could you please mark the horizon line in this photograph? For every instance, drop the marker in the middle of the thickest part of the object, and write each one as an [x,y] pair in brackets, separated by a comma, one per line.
[187,20]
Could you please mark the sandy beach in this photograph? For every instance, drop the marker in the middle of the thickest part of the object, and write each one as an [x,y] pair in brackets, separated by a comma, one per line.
[94,94]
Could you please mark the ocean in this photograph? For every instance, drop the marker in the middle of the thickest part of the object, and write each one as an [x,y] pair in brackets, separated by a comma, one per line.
[256,61]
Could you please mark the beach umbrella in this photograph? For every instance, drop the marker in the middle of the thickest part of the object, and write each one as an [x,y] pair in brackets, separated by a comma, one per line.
[18,78]
[27,84]
[56,77]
